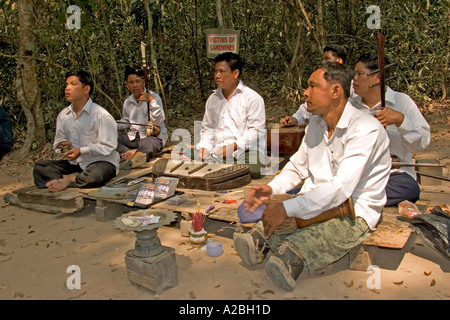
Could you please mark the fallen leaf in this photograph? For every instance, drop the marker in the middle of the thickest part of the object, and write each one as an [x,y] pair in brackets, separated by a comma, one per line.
[191,293]
[269,291]
[349,284]
[397,282]
[433,283]
[427,273]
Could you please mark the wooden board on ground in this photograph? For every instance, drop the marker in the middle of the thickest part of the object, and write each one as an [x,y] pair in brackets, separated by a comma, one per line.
[392,232]
[67,201]
[43,200]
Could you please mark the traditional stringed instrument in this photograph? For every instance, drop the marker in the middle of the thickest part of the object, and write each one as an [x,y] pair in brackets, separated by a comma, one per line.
[151,129]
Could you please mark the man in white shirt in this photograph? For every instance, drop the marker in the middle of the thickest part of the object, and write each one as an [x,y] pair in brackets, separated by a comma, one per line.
[234,123]
[407,129]
[344,154]
[87,136]
[138,109]
[332,52]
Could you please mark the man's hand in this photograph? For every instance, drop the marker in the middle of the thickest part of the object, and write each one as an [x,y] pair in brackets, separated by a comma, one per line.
[156,130]
[226,151]
[273,216]
[389,116]
[146,96]
[64,146]
[73,154]
[288,121]
[203,154]
[257,196]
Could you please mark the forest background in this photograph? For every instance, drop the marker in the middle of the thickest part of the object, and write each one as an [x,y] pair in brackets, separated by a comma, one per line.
[280,40]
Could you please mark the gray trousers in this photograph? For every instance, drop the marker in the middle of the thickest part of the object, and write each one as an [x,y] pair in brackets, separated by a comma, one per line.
[148,145]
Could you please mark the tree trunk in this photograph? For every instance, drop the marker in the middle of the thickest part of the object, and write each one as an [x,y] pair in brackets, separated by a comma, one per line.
[310,26]
[27,88]
[219,13]
[112,53]
[320,23]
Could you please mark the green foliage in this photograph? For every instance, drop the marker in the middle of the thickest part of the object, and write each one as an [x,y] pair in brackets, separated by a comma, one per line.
[111,31]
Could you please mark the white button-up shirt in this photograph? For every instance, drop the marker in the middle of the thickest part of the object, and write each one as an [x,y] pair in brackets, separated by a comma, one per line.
[354,162]
[93,130]
[413,135]
[137,112]
[240,119]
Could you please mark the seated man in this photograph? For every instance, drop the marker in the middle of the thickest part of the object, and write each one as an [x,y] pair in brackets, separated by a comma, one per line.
[407,129]
[344,154]
[87,135]
[6,134]
[234,122]
[331,52]
[138,109]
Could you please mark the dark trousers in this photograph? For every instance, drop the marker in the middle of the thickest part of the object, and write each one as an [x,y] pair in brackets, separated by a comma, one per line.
[401,186]
[95,175]
[147,145]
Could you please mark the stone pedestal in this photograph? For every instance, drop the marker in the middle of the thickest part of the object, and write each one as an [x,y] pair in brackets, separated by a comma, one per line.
[149,264]
[155,273]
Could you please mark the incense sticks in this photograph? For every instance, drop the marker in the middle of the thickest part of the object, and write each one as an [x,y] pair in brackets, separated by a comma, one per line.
[198,218]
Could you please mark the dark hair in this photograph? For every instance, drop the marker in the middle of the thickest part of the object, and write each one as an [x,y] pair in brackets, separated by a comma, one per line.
[84,77]
[371,62]
[337,51]
[337,72]
[130,70]
[233,60]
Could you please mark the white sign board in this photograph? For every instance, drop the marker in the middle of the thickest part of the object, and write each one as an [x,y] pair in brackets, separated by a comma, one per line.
[221,40]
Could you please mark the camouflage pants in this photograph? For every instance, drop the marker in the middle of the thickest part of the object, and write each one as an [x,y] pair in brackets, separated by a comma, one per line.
[326,242]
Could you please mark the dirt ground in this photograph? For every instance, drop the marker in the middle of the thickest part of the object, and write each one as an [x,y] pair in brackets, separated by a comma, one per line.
[36,250]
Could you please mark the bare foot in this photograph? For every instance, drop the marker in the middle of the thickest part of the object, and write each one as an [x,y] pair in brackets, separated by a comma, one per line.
[128,155]
[58,184]
[71,176]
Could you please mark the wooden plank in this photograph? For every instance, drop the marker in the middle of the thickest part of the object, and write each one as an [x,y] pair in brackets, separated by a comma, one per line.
[76,205]
[392,232]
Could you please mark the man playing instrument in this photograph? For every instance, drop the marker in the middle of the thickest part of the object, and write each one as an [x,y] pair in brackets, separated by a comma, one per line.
[407,129]
[87,136]
[138,109]
[344,154]
[234,122]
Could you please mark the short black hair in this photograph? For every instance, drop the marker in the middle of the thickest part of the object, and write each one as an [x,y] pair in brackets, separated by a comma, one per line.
[84,77]
[130,70]
[337,72]
[233,60]
[337,50]
[371,62]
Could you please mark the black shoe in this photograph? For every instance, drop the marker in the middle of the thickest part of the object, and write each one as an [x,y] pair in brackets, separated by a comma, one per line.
[251,247]
[285,266]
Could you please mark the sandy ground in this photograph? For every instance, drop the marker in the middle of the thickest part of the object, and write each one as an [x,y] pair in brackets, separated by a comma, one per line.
[36,250]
